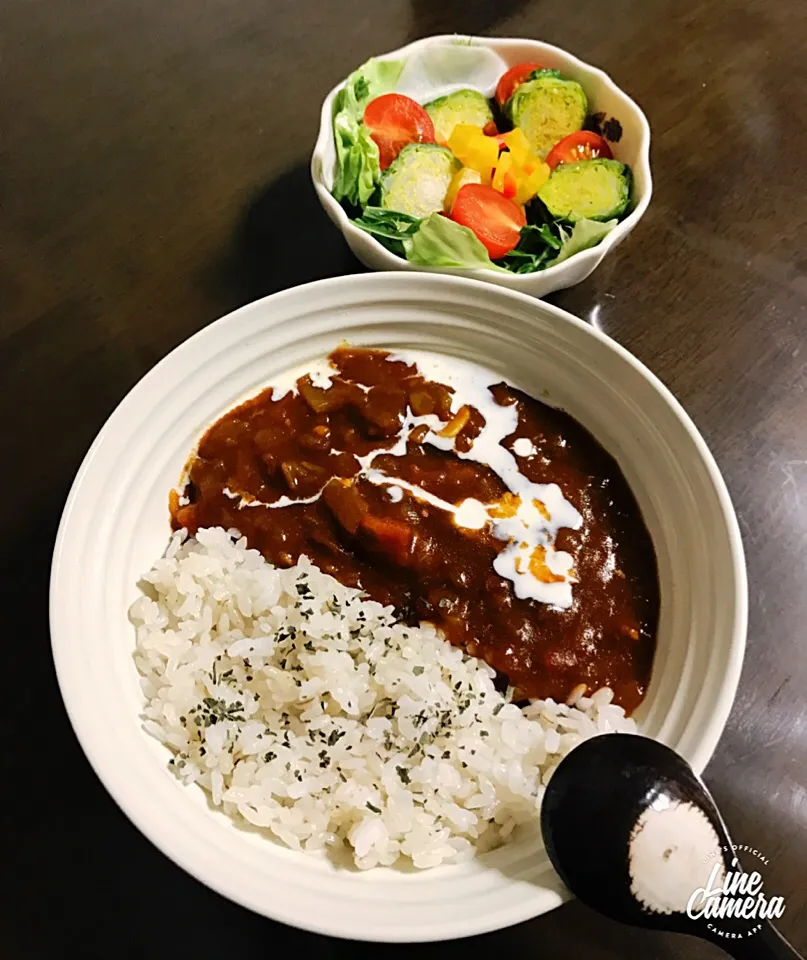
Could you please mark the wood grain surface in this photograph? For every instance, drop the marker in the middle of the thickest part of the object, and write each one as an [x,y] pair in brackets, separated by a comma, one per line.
[153,176]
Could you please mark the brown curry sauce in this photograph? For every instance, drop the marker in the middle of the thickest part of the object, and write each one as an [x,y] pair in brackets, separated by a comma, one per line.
[411,554]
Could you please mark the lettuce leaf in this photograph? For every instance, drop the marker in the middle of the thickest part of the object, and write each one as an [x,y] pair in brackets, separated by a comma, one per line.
[440,242]
[387,223]
[389,227]
[536,247]
[437,241]
[548,244]
[584,234]
[357,164]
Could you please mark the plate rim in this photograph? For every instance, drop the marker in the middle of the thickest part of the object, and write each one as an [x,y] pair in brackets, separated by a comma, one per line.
[377,283]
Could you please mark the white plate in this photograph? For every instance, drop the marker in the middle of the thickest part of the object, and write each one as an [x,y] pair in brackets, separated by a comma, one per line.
[115,525]
[603,95]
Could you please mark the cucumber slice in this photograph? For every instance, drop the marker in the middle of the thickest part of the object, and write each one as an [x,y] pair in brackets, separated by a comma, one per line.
[589,190]
[464,106]
[418,179]
[547,108]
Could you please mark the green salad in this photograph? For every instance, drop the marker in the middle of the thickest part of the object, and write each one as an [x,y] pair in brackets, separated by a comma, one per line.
[518,182]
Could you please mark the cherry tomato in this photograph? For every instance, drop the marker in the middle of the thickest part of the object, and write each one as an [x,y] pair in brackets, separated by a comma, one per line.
[394,121]
[581,145]
[514,77]
[495,220]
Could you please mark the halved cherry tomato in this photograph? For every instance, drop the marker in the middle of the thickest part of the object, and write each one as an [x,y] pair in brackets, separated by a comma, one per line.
[495,220]
[582,145]
[514,77]
[394,121]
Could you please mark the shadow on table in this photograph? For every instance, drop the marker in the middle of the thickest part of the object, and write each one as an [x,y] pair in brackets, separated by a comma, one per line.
[284,238]
[460,16]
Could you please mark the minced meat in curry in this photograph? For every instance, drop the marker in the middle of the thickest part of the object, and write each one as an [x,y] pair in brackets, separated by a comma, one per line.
[366,475]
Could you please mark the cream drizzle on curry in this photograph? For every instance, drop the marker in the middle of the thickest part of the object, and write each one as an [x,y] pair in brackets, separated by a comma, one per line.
[456,499]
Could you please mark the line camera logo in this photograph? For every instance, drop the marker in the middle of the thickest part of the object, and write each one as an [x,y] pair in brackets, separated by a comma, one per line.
[734,895]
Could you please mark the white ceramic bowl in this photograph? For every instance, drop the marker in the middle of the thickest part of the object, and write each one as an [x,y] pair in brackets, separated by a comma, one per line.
[603,94]
[115,525]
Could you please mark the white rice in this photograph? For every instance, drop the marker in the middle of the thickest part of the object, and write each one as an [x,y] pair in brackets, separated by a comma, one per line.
[308,710]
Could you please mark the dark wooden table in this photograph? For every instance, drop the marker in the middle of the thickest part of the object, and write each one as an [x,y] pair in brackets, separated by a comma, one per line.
[153,176]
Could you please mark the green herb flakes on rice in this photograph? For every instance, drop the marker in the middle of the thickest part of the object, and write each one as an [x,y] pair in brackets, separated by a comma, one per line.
[309,710]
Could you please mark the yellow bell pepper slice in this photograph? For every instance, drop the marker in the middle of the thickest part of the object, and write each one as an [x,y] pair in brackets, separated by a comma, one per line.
[505,179]
[530,183]
[518,145]
[463,135]
[458,181]
[473,149]
[517,173]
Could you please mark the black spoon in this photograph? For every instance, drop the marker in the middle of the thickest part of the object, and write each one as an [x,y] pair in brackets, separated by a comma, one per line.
[634,834]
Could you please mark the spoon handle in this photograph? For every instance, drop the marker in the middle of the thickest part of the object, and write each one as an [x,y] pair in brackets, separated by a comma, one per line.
[768,944]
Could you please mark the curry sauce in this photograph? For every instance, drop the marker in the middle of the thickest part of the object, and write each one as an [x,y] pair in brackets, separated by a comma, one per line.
[533,556]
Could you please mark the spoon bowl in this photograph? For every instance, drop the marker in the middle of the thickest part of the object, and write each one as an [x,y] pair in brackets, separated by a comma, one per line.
[635,834]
